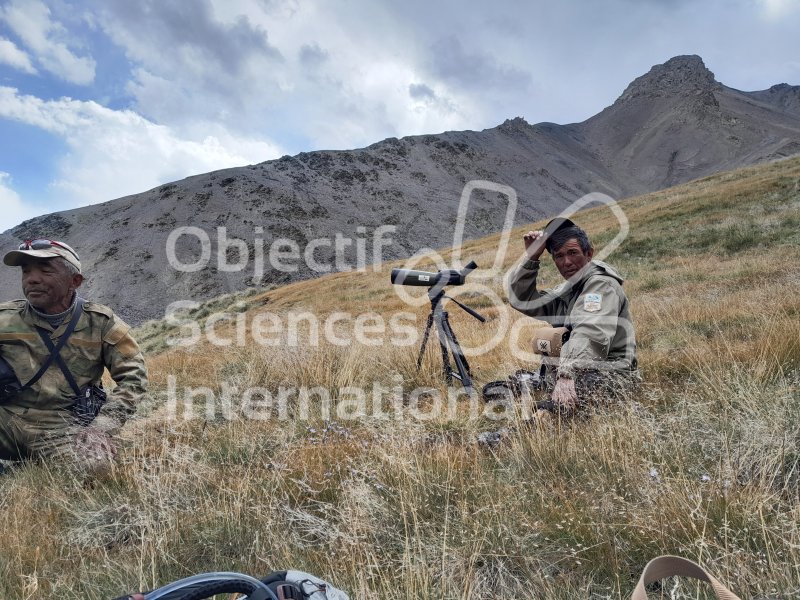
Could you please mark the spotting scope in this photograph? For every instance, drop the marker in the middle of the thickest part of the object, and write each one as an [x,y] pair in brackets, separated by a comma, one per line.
[430,278]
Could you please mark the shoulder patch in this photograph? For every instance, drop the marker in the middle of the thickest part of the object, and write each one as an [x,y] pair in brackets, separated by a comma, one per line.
[120,337]
[592,302]
[127,346]
[118,331]
[13,305]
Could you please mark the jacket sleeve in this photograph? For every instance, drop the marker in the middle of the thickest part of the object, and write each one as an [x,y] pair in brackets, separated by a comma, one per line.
[593,320]
[526,298]
[125,363]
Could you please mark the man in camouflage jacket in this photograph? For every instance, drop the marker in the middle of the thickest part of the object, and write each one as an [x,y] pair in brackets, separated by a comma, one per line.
[600,355]
[38,421]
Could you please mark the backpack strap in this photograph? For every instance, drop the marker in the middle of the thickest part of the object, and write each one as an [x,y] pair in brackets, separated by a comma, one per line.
[55,350]
[667,566]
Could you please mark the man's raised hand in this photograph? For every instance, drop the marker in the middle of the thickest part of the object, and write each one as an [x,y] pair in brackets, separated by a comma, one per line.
[534,243]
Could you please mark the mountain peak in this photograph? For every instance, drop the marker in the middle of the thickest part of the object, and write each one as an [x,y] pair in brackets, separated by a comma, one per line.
[515,125]
[680,75]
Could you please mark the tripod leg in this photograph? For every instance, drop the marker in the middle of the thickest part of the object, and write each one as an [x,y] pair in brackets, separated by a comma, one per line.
[448,372]
[458,356]
[441,332]
[424,341]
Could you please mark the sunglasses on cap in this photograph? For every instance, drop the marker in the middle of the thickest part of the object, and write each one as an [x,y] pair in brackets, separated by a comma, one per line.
[45,244]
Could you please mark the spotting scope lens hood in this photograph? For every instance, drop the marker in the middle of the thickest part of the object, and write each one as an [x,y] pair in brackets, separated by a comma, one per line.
[430,278]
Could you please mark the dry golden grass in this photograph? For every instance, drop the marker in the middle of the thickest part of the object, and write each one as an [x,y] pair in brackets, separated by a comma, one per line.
[704,461]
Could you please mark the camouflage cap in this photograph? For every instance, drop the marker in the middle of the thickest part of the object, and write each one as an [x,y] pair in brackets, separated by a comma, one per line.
[42,249]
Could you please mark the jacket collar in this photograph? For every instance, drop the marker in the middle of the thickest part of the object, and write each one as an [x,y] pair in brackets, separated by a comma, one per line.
[30,317]
[595,267]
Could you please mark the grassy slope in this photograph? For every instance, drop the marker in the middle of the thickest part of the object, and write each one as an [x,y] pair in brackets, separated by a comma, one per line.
[703,462]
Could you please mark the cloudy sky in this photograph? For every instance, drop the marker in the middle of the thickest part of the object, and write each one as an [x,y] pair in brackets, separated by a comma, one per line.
[104,98]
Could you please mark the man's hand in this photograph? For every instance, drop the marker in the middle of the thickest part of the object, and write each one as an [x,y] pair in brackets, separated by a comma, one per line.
[534,243]
[564,395]
[95,444]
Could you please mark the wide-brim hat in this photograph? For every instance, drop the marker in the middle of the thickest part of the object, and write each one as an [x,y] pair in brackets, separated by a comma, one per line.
[42,249]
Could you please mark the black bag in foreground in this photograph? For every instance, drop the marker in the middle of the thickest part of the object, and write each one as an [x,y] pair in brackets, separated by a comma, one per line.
[279,585]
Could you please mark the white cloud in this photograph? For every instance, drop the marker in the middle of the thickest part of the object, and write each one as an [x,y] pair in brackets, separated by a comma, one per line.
[15,211]
[308,74]
[47,40]
[116,153]
[778,9]
[14,57]
[212,70]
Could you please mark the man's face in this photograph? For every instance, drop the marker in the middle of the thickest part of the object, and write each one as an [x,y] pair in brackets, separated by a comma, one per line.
[570,258]
[48,284]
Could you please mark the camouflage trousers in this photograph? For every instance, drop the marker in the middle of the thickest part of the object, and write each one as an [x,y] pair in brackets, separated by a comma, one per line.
[595,388]
[48,435]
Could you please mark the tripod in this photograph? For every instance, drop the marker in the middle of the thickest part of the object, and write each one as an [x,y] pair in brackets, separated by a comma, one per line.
[447,339]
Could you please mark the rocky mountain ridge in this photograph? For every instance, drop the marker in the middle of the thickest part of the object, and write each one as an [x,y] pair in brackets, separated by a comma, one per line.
[671,125]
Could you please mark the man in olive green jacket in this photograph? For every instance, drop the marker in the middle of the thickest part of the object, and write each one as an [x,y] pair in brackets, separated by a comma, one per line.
[600,355]
[39,420]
